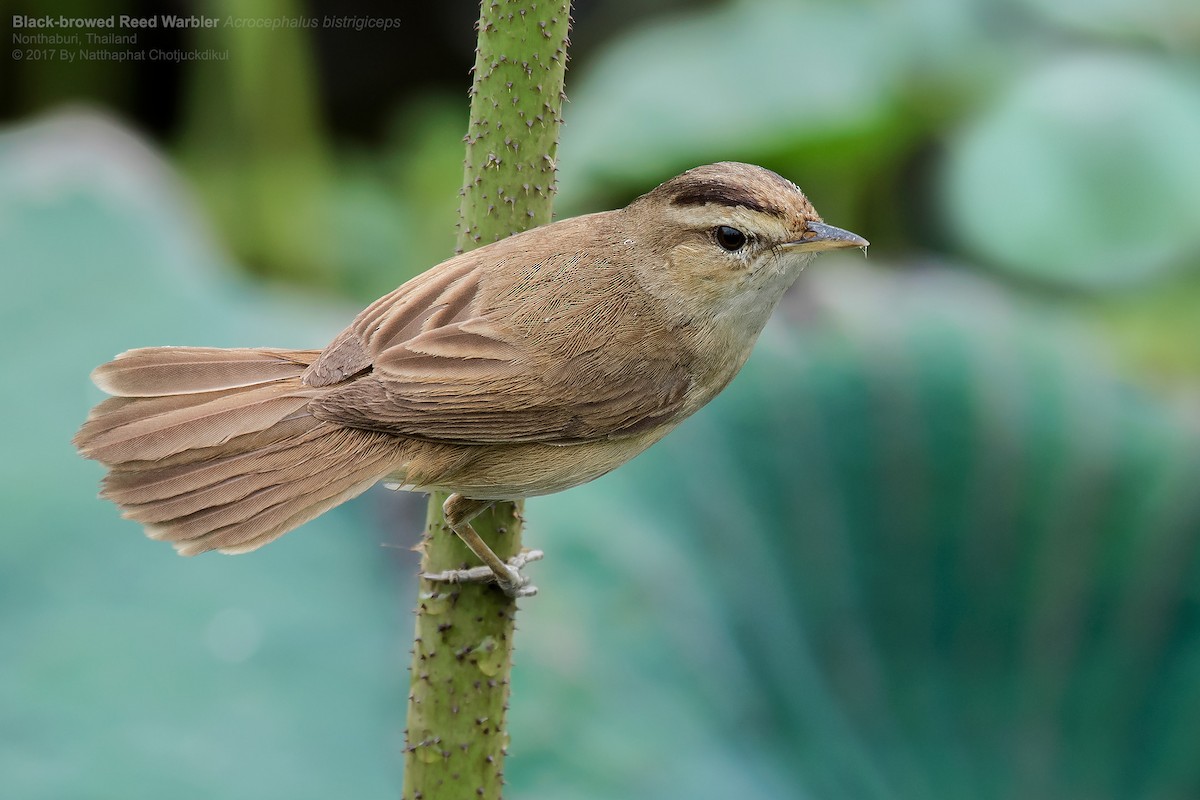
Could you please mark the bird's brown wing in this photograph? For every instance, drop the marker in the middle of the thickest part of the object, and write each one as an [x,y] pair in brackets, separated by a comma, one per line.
[460,355]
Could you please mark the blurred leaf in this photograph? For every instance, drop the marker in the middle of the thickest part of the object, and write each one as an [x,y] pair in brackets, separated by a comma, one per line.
[1171,22]
[1157,332]
[126,671]
[1084,174]
[927,548]
[671,93]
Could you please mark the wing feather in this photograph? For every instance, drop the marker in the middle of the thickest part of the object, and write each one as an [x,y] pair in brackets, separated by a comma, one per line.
[536,349]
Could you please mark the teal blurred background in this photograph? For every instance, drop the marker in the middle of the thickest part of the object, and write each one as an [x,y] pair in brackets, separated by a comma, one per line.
[939,539]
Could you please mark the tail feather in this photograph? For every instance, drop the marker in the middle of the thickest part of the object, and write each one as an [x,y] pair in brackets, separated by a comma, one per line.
[140,482]
[285,428]
[207,486]
[255,487]
[279,508]
[117,411]
[206,424]
[162,371]
[215,449]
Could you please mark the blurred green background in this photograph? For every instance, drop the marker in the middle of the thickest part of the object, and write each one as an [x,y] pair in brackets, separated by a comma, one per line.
[939,540]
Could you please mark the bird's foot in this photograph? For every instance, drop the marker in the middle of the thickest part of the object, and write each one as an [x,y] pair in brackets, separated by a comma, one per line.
[512,582]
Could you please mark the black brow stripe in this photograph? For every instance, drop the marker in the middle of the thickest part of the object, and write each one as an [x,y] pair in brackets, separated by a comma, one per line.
[700,192]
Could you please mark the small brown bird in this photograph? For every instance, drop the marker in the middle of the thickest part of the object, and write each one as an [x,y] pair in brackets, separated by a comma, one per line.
[522,368]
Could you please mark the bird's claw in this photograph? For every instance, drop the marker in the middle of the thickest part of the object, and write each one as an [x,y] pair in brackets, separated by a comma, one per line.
[513,584]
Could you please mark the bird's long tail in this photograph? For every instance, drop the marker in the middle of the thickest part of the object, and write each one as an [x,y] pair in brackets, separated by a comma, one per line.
[215,449]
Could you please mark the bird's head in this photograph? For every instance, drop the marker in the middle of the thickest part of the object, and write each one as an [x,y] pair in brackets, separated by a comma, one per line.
[728,236]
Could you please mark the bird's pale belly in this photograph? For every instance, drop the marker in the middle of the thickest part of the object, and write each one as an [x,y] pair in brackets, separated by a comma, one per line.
[511,471]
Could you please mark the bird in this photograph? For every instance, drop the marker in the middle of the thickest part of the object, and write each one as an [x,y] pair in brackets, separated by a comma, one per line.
[522,368]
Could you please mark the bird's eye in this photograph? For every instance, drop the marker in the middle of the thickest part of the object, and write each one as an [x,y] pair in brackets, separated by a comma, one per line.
[730,239]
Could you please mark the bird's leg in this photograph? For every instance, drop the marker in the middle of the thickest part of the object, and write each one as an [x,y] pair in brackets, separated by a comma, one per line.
[459,511]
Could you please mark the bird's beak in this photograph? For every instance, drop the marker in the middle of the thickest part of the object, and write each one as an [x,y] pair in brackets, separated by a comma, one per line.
[820,236]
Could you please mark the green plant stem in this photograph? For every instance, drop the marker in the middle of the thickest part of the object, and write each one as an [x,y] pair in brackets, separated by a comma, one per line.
[462,650]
